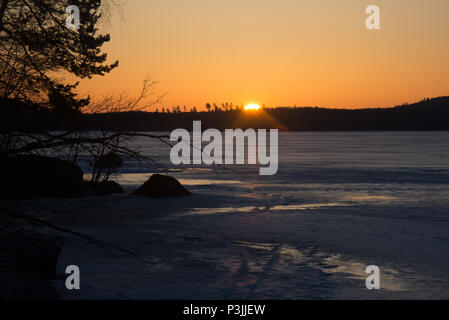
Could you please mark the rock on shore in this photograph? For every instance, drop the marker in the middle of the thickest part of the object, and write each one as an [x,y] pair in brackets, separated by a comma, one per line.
[161,186]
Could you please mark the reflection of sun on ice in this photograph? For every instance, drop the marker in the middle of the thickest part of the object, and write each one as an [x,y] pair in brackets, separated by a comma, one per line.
[252,106]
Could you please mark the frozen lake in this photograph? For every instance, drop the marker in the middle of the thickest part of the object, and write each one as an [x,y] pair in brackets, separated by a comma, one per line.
[339,203]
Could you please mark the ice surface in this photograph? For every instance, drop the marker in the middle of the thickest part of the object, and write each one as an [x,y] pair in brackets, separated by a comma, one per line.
[340,202]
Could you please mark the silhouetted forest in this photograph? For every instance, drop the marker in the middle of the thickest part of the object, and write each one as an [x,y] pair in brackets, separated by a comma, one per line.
[428,114]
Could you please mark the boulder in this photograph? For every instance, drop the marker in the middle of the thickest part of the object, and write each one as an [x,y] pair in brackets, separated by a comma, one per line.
[161,186]
[37,175]
[103,188]
[33,175]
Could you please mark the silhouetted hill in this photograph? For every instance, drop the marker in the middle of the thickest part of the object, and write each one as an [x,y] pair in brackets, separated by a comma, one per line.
[428,114]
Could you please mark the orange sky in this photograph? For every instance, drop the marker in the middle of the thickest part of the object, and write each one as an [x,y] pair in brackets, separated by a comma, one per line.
[280,52]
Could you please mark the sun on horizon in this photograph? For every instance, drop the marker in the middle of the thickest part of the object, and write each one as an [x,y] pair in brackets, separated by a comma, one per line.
[252,106]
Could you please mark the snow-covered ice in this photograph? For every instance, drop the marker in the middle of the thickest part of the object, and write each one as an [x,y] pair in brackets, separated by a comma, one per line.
[339,203]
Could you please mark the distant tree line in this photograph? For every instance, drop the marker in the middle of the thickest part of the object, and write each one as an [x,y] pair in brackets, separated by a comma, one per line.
[208,107]
[428,114]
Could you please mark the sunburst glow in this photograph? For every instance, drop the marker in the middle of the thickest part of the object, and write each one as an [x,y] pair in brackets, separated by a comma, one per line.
[252,106]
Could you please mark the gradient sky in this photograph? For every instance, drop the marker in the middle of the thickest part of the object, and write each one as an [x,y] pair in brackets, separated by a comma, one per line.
[280,52]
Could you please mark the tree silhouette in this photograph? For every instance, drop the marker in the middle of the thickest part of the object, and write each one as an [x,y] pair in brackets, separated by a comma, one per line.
[61,98]
[35,44]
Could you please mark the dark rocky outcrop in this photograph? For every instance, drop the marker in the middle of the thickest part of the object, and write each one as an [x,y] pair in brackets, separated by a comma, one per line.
[38,176]
[33,175]
[102,188]
[27,264]
[104,165]
[160,186]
